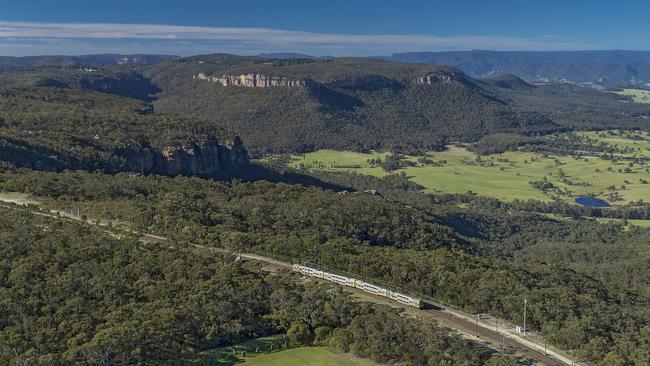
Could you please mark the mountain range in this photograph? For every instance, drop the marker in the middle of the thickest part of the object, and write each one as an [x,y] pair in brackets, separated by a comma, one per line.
[10,62]
[301,104]
[601,69]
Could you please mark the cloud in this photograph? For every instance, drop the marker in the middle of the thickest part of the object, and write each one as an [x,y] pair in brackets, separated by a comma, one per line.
[107,37]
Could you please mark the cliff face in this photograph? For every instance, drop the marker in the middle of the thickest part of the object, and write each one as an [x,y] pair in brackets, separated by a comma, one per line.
[440,78]
[252,81]
[206,158]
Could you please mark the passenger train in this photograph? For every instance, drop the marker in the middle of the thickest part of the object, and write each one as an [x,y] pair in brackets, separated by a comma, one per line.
[364,286]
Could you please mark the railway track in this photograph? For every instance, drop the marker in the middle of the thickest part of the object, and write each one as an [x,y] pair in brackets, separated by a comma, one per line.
[501,340]
[453,319]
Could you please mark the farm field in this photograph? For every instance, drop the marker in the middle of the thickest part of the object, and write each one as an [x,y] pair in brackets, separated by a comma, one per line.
[508,175]
[638,95]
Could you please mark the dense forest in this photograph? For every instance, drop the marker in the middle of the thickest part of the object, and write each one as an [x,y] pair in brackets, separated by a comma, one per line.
[438,252]
[50,128]
[71,294]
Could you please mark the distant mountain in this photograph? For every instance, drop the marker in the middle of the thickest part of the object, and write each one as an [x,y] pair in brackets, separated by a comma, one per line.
[10,62]
[289,55]
[284,55]
[601,69]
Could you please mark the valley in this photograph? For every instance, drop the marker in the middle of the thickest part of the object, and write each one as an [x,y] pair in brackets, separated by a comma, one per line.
[510,175]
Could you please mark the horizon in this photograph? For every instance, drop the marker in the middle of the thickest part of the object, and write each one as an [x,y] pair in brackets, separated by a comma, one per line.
[361,28]
[298,54]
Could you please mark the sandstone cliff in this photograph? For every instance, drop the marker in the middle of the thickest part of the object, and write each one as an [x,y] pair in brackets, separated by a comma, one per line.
[252,81]
[440,78]
[206,158]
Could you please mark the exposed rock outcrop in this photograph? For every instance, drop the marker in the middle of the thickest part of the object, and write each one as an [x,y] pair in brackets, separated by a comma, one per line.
[206,158]
[440,78]
[252,81]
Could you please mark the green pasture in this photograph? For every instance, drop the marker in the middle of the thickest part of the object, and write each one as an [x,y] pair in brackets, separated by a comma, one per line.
[505,176]
[638,95]
[638,141]
[305,356]
[270,351]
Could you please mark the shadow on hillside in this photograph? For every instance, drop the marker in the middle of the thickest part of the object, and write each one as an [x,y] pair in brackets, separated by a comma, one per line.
[255,172]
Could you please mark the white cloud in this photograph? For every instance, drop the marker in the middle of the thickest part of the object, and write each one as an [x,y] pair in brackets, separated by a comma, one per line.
[168,38]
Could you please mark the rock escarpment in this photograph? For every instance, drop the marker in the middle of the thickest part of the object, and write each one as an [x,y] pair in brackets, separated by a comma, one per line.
[206,158]
[440,78]
[252,81]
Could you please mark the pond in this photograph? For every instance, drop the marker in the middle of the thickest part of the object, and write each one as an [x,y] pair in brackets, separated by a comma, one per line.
[591,202]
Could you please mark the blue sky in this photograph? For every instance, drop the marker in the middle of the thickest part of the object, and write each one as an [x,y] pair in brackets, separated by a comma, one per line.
[333,27]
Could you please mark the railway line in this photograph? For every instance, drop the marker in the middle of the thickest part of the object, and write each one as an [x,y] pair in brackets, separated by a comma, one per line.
[463,323]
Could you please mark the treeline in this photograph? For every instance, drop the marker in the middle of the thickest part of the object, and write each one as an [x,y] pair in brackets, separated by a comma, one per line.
[635,210]
[404,244]
[567,143]
[72,294]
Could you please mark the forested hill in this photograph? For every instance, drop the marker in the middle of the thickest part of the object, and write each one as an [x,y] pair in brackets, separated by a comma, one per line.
[297,105]
[49,128]
[595,68]
[10,62]
[345,103]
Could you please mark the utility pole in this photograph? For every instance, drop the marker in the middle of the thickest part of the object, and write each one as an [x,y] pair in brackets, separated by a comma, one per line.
[525,304]
[476,325]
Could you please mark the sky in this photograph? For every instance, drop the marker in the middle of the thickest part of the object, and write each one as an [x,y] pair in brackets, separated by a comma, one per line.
[332,27]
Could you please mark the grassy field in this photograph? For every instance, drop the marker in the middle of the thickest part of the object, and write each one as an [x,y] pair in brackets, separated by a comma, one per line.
[305,356]
[508,175]
[638,141]
[271,351]
[638,95]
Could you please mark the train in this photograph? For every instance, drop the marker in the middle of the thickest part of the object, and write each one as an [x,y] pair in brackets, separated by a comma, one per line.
[361,285]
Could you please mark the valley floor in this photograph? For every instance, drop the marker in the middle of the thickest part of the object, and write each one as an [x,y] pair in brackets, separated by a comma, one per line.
[510,175]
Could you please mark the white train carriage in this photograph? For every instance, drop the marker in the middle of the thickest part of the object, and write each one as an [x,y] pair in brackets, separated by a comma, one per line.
[364,286]
[367,287]
[341,280]
[404,299]
[307,271]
